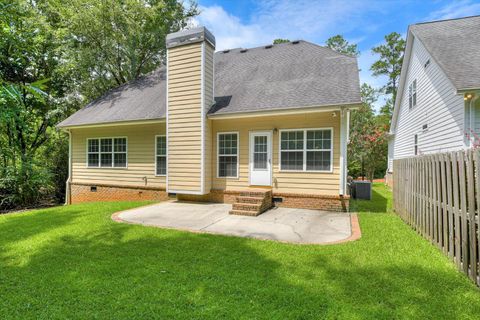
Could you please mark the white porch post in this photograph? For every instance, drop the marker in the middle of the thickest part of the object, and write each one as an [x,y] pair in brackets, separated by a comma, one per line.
[344,135]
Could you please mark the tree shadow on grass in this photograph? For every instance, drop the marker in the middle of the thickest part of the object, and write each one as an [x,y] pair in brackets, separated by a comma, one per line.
[21,226]
[399,290]
[117,271]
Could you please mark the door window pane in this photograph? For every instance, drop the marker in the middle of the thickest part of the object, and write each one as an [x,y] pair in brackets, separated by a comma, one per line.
[260,152]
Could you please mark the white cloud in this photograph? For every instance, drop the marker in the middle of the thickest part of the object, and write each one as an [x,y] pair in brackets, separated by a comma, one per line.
[229,31]
[456,9]
[290,19]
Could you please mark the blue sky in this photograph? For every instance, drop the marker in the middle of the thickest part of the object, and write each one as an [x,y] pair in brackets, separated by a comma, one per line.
[253,23]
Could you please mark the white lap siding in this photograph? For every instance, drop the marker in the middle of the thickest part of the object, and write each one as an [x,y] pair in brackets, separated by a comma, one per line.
[438,106]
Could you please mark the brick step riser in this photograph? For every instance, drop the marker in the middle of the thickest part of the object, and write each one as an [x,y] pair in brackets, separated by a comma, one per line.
[244,213]
[249,200]
[247,207]
[254,194]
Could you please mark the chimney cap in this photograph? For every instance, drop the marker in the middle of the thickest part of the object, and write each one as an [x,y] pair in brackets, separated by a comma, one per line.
[188,36]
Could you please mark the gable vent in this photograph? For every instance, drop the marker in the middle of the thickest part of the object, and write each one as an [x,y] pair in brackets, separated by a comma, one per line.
[243,50]
[269,46]
[296,42]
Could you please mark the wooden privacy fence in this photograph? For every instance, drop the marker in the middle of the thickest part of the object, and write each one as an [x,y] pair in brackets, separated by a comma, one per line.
[439,196]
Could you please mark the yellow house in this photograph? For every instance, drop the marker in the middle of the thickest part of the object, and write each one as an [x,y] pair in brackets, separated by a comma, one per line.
[224,126]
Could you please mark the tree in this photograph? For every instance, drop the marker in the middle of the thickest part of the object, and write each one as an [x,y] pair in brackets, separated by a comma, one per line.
[390,63]
[55,56]
[277,41]
[368,138]
[34,97]
[114,42]
[339,44]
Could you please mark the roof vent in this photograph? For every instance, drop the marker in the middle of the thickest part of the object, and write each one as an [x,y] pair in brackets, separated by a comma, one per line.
[243,50]
[226,51]
[296,42]
[268,46]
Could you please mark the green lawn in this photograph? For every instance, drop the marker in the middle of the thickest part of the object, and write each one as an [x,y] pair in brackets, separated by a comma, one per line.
[75,262]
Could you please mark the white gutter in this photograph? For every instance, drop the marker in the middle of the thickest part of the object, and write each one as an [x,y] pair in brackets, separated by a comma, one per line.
[279,112]
[113,124]
[344,119]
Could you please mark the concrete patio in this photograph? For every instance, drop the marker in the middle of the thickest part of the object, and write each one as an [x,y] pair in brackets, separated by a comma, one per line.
[280,224]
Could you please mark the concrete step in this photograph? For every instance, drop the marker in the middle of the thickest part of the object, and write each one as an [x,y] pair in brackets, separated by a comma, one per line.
[244,213]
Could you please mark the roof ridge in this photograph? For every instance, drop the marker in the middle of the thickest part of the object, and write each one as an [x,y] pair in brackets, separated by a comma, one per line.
[226,51]
[444,20]
[257,47]
[330,49]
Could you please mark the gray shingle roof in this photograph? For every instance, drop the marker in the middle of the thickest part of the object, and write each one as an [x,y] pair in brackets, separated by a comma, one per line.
[285,76]
[455,46]
[142,99]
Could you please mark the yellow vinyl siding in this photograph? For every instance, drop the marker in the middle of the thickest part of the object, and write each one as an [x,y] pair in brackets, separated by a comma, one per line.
[140,156]
[208,101]
[184,117]
[293,182]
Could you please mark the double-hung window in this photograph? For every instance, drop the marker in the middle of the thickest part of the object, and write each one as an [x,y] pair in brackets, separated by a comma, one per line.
[107,152]
[161,155]
[412,94]
[227,155]
[306,150]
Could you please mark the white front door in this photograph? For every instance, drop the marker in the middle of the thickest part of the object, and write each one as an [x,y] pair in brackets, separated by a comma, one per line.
[261,158]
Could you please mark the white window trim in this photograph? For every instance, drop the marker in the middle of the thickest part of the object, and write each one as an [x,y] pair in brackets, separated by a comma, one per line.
[156,155]
[218,155]
[304,150]
[113,152]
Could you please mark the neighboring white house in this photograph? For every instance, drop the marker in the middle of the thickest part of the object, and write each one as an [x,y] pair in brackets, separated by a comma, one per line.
[437,107]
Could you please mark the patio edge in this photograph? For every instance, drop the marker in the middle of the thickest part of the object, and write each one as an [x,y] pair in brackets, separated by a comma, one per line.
[356,232]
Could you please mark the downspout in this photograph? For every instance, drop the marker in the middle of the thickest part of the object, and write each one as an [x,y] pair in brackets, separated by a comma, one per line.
[344,115]
[68,191]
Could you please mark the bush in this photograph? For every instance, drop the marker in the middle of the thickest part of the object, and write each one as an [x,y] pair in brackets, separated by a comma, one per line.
[25,185]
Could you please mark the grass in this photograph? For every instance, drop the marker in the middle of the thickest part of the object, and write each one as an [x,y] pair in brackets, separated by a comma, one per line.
[75,262]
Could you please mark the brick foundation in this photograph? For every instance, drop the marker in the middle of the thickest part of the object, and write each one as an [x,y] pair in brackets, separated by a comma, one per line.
[289,200]
[217,196]
[83,193]
[307,201]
